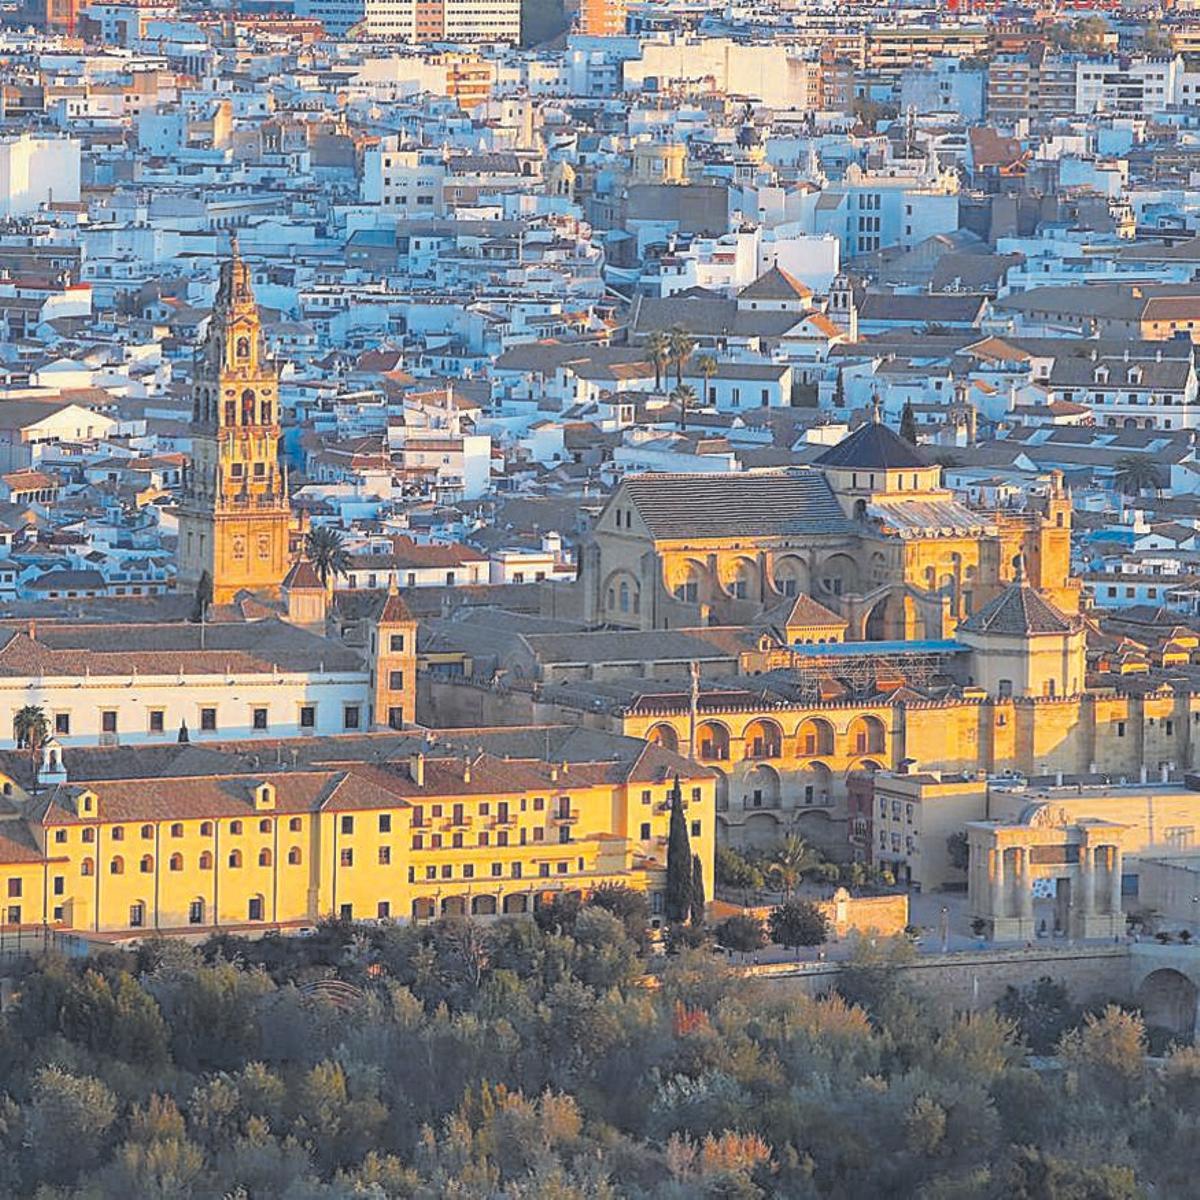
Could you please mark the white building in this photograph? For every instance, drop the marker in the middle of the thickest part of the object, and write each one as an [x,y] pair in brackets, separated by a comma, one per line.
[407,183]
[35,171]
[123,684]
[1129,86]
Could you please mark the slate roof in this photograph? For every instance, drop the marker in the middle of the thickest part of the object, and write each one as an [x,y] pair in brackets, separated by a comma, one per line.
[873,447]
[681,506]
[1019,610]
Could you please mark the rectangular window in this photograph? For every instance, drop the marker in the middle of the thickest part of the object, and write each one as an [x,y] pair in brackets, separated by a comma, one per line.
[59,885]
[383,910]
[395,680]
[308,716]
[158,720]
[137,915]
[260,718]
[62,724]
[385,822]
[60,835]
[385,855]
[695,829]
[396,643]
[350,716]
[347,858]
[196,912]
[208,719]
[108,721]
[14,889]
[347,824]
[645,830]
[347,912]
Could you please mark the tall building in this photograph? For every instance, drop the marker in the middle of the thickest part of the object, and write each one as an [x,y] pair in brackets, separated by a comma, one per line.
[602,18]
[419,21]
[234,519]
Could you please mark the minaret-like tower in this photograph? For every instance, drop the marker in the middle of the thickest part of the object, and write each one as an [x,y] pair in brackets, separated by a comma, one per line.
[234,518]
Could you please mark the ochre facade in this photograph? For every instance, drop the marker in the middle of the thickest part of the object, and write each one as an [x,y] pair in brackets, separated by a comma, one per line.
[234,523]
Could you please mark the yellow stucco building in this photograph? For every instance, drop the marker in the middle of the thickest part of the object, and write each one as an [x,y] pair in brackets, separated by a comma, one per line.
[186,838]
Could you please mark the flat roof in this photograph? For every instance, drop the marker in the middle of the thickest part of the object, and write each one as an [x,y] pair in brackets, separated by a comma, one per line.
[858,649]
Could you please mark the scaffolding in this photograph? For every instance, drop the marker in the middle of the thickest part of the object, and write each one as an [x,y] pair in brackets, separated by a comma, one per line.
[867,668]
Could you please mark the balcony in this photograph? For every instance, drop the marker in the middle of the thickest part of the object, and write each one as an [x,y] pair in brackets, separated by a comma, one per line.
[499,822]
[565,817]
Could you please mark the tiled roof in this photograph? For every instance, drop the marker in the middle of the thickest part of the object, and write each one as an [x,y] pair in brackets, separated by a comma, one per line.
[808,612]
[680,506]
[775,284]
[873,447]
[1019,610]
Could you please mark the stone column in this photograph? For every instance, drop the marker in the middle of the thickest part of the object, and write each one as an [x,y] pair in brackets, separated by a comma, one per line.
[1114,879]
[996,863]
[1025,887]
[1087,879]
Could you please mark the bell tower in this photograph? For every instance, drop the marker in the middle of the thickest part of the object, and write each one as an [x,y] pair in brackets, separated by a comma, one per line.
[234,518]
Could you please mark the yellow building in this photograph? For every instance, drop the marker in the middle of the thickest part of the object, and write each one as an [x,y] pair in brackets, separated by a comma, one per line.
[866,529]
[189,838]
[234,522]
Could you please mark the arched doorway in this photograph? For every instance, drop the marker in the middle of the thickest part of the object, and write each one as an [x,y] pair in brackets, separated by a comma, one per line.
[517,902]
[762,788]
[483,906]
[454,906]
[422,909]
[1167,999]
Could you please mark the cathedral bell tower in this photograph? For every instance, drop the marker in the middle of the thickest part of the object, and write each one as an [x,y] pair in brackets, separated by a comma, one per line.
[234,518]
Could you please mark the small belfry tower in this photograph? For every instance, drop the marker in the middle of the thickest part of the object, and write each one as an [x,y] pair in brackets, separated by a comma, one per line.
[234,518]
[394,663]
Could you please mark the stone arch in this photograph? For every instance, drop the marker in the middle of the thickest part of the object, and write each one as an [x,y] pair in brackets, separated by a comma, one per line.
[763,739]
[814,737]
[839,575]
[790,575]
[866,735]
[740,578]
[1168,1000]
[516,902]
[712,741]
[815,781]
[761,830]
[483,905]
[423,908]
[689,582]
[762,788]
[621,595]
[663,735]
[454,906]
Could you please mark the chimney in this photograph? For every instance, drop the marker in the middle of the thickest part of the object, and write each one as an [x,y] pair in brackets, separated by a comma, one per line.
[416,768]
[33,631]
[554,772]
[467,771]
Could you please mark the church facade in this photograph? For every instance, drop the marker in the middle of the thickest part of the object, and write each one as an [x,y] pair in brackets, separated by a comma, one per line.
[866,529]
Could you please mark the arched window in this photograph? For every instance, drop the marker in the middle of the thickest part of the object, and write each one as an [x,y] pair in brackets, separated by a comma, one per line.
[264,858]
[267,412]
[230,412]
[87,867]
[294,856]
[248,407]
[147,864]
[235,858]
[206,829]
[117,866]
[264,826]
[176,862]
[177,829]
[147,832]
[206,861]
[118,833]
[243,347]
[294,824]
[235,827]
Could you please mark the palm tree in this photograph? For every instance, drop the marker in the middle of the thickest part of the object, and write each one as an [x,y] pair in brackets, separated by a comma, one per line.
[1135,473]
[327,552]
[681,345]
[706,366]
[794,858]
[32,731]
[684,395]
[658,355]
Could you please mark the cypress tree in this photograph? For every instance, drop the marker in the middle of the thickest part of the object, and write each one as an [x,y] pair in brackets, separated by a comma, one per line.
[908,424]
[679,862]
[698,898]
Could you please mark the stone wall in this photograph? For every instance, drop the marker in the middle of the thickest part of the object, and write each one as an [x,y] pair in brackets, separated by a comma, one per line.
[883,915]
[977,979]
